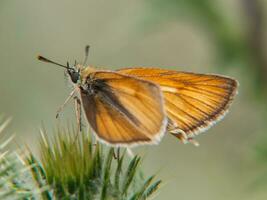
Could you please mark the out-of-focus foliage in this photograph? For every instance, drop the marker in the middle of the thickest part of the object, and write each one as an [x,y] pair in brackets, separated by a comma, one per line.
[16,180]
[260,181]
[236,46]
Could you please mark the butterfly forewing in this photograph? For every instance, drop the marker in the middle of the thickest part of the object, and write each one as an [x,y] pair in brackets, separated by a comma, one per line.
[124,109]
[193,102]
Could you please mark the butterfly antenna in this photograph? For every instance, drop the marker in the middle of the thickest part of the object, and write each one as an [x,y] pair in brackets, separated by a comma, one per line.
[87,47]
[41,58]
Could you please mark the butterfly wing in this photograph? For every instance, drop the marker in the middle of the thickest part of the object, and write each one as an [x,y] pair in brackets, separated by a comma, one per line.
[193,102]
[124,110]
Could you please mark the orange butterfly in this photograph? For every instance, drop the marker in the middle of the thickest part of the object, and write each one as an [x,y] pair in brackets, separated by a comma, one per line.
[138,105]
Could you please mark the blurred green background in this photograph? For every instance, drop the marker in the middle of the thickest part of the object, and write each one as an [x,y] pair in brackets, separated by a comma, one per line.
[206,36]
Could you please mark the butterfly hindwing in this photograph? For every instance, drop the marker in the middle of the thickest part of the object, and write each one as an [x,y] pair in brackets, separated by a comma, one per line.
[193,102]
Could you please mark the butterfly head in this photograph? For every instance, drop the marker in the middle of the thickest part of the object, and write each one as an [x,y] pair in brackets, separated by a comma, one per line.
[74,74]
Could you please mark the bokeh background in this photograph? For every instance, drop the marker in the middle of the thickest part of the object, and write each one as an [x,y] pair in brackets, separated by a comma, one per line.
[206,36]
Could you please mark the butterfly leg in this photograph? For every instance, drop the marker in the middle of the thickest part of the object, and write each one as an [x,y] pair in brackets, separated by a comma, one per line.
[130,152]
[180,134]
[174,129]
[66,101]
[194,142]
[116,154]
[78,112]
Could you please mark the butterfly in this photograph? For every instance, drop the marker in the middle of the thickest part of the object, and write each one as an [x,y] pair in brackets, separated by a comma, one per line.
[133,106]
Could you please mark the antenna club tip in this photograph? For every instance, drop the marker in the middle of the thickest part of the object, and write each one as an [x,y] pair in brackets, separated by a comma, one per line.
[39,57]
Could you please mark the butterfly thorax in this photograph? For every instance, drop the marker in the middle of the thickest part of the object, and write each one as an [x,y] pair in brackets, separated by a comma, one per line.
[85,72]
[87,83]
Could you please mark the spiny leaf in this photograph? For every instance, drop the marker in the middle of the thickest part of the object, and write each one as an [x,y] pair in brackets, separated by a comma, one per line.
[106,180]
[153,188]
[130,174]
[140,194]
[118,171]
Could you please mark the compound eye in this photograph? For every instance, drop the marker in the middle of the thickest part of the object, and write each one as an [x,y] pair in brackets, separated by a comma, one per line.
[74,76]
